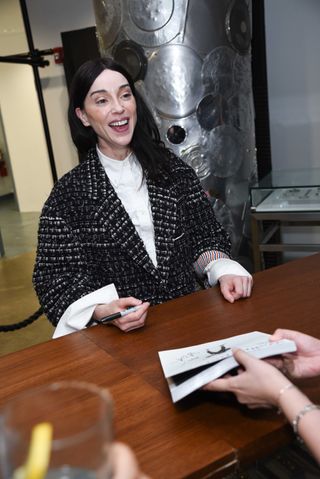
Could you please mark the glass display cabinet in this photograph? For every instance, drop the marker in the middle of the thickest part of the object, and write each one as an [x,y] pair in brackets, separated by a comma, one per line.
[283,198]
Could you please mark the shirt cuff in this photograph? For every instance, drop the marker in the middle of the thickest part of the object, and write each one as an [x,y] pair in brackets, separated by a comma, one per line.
[77,315]
[222,266]
[206,258]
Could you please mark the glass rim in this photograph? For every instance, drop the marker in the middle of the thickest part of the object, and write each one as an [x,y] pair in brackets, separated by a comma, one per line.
[55,386]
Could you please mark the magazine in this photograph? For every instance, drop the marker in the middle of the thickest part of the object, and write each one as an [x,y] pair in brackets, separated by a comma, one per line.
[188,369]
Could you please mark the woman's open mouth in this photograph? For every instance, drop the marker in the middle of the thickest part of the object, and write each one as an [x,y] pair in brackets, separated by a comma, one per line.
[120,126]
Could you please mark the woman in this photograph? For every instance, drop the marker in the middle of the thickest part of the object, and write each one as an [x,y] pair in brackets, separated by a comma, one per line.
[260,384]
[131,221]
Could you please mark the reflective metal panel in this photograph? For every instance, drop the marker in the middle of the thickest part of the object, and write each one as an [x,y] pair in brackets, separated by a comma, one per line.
[217,71]
[154,22]
[237,194]
[212,111]
[191,62]
[190,127]
[131,56]
[198,159]
[240,115]
[223,214]
[176,134]
[225,145]
[108,19]
[238,26]
[150,15]
[174,80]
[242,74]
[141,88]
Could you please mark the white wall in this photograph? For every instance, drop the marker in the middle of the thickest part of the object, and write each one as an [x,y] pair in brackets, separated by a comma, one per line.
[18,99]
[292,43]
[293,65]
[21,116]
[48,19]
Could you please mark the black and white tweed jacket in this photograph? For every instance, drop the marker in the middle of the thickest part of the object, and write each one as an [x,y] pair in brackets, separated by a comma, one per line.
[87,240]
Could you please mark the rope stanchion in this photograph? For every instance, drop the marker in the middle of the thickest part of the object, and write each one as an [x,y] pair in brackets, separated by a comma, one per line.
[22,324]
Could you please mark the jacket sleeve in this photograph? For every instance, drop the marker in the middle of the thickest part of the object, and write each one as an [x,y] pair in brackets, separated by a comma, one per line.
[205,232]
[61,275]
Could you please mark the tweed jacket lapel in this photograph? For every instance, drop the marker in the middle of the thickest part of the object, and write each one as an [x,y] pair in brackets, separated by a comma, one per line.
[114,218]
[164,211]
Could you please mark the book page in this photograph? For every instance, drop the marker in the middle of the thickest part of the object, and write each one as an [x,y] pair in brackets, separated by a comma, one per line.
[176,361]
[193,369]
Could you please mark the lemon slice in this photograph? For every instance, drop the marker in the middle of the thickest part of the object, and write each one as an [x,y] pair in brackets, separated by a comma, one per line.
[39,451]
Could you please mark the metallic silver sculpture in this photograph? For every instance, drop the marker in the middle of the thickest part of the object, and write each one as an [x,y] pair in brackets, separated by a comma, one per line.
[191,61]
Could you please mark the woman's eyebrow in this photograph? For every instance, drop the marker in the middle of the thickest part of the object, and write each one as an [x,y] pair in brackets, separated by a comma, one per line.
[102,90]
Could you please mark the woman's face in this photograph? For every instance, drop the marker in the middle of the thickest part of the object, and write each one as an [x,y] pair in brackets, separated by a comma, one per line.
[110,109]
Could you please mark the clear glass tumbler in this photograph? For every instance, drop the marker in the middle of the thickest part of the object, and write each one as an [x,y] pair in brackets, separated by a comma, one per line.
[80,415]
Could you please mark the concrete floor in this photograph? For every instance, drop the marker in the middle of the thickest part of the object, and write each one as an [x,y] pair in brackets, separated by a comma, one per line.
[18,230]
[17,297]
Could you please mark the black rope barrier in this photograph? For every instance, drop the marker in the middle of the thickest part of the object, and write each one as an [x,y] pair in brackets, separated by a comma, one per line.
[22,324]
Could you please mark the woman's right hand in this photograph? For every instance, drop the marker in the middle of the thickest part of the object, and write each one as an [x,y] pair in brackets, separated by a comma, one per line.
[305,362]
[129,322]
[257,383]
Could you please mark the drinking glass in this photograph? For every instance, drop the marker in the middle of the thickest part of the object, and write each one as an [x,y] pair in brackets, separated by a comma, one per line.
[80,415]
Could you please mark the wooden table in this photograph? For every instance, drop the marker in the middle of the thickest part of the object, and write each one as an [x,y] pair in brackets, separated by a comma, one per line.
[206,434]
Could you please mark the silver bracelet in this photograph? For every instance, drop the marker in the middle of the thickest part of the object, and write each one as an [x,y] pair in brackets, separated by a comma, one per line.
[307,408]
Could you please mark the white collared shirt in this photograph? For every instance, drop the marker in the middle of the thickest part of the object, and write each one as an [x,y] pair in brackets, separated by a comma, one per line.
[126,177]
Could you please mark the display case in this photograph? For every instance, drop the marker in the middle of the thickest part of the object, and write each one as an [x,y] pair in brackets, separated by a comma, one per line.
[287,190]
[286,198]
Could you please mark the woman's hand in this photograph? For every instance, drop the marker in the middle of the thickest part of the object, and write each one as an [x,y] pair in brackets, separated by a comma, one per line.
[305,362]
[234,287]
[257,384]
[129,322]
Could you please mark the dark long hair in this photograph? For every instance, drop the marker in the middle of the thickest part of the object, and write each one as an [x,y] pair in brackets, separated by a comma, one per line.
[151,152]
